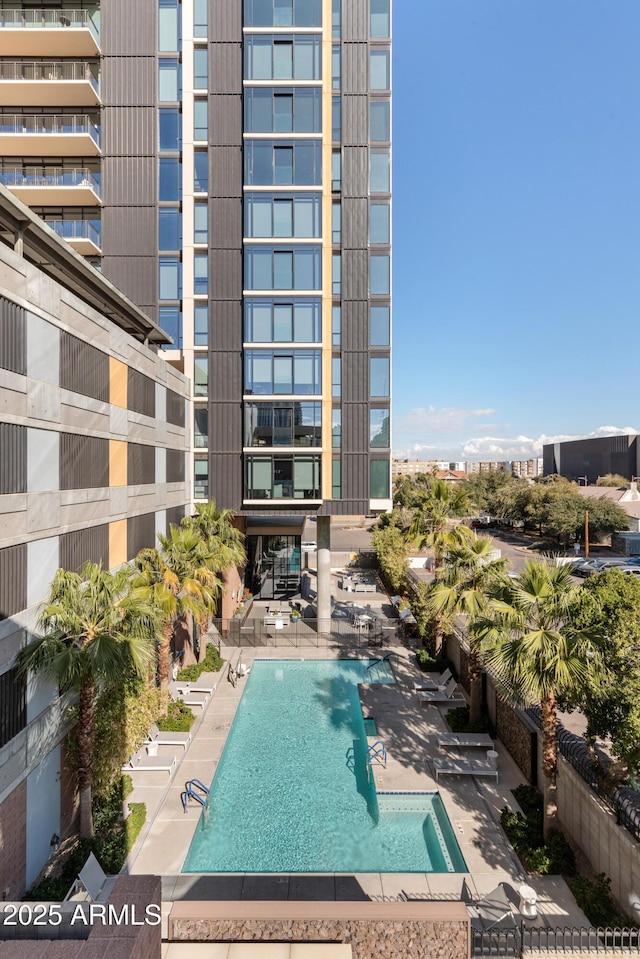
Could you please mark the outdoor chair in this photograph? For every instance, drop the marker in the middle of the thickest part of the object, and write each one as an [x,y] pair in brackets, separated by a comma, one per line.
[91,883]
[433,684]
[448,695]
[167,738]
[150,764]
[495,910]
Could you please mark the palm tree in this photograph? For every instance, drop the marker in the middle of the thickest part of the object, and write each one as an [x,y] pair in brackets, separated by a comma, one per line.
[225,544]
[178,578]
[433,508]
[461,590]
[535,654]
[95,633]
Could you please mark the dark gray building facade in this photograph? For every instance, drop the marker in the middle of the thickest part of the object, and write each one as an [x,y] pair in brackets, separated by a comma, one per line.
[586,460]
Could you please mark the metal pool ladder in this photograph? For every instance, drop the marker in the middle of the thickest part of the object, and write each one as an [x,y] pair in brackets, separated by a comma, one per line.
[376,661]
[194,789]
[377,752]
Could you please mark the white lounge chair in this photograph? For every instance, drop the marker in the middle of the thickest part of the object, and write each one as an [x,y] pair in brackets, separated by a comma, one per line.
[465,767]
[168,738]
[91,883]
[163,764]
[465,741]
[434,684]
[448,695]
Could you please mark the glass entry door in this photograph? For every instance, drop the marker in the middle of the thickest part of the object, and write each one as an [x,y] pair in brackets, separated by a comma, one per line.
[274,566]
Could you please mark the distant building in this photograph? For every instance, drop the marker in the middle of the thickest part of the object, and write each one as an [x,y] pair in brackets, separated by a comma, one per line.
[586,460]
[413,467]
[527,468]
[487,466]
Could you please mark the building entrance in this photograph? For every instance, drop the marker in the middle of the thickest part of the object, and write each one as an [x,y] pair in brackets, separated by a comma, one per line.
[274,566]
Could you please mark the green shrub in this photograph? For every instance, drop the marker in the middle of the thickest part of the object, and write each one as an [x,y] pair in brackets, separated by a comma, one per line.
[55,887]
[458,720]
[427,662]
[179,719]
[561,855]
[212,663]
[127,785]
[594,898]
[537,860]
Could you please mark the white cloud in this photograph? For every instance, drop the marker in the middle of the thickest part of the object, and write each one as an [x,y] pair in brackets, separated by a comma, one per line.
[430,419]
[491,447]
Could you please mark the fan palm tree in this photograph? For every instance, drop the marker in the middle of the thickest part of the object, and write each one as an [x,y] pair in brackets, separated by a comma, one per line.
[461,590]
[528,643]
[225,544]
[95,633]
[433,508]
[179,579]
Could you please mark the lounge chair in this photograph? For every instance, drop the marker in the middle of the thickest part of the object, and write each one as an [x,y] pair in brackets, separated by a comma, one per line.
[163,764]
[91,883]
[495,910]
[168,738]
[447,695]
[465,767]
[434,684]
[465,741]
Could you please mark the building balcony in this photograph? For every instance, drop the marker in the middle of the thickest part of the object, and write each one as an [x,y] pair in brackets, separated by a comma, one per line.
[49,83]
[48,135]
[53,186]
[82,235]
[49,33]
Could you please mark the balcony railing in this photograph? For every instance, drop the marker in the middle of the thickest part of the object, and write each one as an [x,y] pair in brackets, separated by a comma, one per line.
[47,70]
[46,123]
[49,19]
[76,230]
[51,177]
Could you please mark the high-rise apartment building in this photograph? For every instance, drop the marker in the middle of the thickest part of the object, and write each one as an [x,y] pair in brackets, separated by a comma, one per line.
[227,164]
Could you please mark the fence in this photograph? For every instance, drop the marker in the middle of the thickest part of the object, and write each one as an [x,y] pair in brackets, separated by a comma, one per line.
[623,802]
[522,940]
[309,633]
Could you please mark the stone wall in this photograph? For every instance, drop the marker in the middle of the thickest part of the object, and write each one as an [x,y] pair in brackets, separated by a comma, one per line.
[393,930]
[518,735]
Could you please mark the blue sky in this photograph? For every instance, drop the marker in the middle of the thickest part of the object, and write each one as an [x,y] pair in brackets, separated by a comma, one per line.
[516,243]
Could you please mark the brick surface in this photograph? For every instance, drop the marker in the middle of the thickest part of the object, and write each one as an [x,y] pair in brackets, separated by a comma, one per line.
[13,831]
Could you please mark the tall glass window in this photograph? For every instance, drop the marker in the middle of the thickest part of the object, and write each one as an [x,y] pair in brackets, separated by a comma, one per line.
[380,18]
[282,58]
[379,373]
[336,325]
[201,324]
[168,80]
[169,129]
[168,25]
[379,274]
[380,123]
[379,433]
[201,273]
[336,223]
[200,427]
[380,223]
[170,319]
[336,167]
[200,120]
[200,68]
[336,479]
[335,67]
[379,479]
[169,278]
[200,15]
[280,110]
[274,371]
[169,228]
[336,274]
[269,162]
[201,376]
[336,119]
[201,479]
[170,178]
[336,428]
[201,223]
[282,13]
[336,18]
[379,72]
[268,269]
[380,173]
[336,376]
[380,326]
[271,215]
[200,171]
[298,321]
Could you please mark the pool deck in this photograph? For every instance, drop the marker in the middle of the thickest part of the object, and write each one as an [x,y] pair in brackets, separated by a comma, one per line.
[409,731]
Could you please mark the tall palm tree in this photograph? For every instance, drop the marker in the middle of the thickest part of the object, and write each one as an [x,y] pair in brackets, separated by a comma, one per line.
[224,542]
[461,590]
[434,506]
[178,577]
[95,633]
[528,643]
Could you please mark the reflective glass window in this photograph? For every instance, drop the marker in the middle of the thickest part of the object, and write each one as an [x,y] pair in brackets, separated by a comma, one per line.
[169,178]
[336,167]
[336,325]
[380,173]
[336,479]
[379,432]
[284,423]
[307,58]
[336,428]
[200,120]
[282,60]
[283,165]
[268,269]
[379,274]
[379,70]
[169,134]
[201,273]
[336,223]
[307,13]
[169,278]
[200,223]
[379,127]
[169,228]
[336,17]
[336,376]
[336,274]
[282,113]
[168,80]
[288,371]
[201,479]
[283,322]
[201,324]
[282,13]
[282,270]
[298,321]
[200,68]
[200,426]
[170,319]
[268,110]
[380,320]
[336,118]
[380,18]
[200,375]
[200,171]
[379,373]
[335,67]
[200,18]
[379,479]
[380,223]
[168,25]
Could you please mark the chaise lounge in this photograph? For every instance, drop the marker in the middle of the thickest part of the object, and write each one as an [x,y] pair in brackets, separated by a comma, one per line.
[167,738]
[465,741]
[163,764]
[465,767]
[434,684]
[448,695]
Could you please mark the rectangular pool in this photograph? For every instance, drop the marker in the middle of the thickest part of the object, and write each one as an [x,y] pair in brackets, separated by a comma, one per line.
[292,792]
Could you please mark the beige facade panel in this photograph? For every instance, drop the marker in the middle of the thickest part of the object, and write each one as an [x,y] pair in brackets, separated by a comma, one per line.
[36,143]
[52,93]
[117,463]
[81,195]
[117,543]
[118,379]
[50,41]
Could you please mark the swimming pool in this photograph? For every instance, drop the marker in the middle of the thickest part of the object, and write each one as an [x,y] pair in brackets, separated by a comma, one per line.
[291,792]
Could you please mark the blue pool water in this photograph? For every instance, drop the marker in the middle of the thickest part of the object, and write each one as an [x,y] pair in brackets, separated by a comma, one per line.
[291,791]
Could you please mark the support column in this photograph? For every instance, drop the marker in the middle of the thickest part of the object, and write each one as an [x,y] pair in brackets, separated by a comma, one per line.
[323,581]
